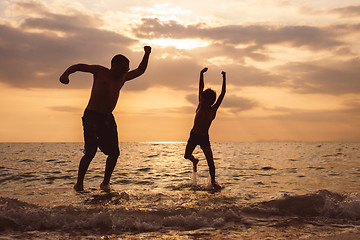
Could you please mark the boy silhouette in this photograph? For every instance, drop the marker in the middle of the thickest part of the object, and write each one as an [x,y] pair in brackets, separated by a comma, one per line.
[199,135]
[99,125]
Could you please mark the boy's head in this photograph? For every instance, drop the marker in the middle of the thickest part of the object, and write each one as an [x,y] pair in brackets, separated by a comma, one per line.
[120,64]
[209,96]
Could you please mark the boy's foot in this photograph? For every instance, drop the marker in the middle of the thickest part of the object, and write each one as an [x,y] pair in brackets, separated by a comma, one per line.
[105,187]
[78,187]
[195,163]
[216,186]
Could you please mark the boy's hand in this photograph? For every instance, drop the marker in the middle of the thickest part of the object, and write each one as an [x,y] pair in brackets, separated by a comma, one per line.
[64,79]
[147,49]
[223,74]
[204,70]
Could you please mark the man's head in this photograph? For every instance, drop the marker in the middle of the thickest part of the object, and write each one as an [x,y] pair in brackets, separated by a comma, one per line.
[209,96]
[120,64]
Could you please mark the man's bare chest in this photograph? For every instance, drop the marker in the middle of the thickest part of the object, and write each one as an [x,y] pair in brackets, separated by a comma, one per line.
[108,85]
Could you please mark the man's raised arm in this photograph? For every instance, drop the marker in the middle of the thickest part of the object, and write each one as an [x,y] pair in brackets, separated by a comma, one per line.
[142,66]
[223,91]
[64,78]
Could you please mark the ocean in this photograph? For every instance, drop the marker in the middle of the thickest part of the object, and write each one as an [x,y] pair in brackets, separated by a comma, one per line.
[275,190]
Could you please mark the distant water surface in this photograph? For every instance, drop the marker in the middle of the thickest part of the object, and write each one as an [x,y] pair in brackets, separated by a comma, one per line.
[271,190]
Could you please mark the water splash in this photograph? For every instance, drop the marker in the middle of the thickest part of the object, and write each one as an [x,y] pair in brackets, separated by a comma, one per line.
[194,178]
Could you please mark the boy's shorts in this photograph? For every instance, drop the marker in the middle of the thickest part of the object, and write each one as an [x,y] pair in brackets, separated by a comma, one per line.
[100,130]
[202,140]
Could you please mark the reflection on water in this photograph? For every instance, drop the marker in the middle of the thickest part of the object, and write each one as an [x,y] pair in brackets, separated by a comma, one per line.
[260,170]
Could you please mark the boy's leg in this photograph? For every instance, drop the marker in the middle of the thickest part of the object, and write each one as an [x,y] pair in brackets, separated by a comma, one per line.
[188,155]
[210,160]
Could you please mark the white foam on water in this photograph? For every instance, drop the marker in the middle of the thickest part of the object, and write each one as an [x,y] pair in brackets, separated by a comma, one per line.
[194,178]
[323,207]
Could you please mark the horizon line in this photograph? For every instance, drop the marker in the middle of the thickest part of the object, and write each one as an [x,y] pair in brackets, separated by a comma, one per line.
[171,142]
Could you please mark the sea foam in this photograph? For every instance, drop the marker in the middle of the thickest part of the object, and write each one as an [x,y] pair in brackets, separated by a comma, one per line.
[323,207]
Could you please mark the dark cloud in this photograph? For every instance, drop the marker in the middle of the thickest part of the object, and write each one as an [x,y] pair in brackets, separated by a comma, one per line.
[36,52]
[331,76]
[29,6]
[239,104]
[347,12]
[344,116]
[176,73]
[42,45]
[238,42]
[70,22]
[314,38]
[181,68]
[353,105]
[252,76]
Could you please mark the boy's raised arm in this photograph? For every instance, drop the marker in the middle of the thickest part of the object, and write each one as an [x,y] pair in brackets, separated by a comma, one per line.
[223,91]
[142,66]
[201,81]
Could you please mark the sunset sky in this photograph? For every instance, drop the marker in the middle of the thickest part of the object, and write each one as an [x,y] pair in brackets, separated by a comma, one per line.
[293,67]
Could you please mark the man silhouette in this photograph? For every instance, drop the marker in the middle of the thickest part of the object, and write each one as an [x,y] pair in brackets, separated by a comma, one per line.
[100,128]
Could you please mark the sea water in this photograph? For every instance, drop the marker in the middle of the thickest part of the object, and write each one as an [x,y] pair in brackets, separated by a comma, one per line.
[270,191]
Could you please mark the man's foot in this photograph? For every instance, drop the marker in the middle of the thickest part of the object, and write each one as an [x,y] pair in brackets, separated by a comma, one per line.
[195,162]
[105,187]
[216,186]
[78,187]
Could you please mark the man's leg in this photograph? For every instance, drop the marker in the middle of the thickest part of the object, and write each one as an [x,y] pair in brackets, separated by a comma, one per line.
[210,160]
[83,166]
[110,165]
[188,155]
[90,147]
[109,145]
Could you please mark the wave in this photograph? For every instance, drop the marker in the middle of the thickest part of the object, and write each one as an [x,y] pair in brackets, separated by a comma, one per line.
[108,213]
[320,204]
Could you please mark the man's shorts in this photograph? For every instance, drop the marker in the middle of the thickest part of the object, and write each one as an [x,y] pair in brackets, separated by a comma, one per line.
[100,130]
[202,140]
